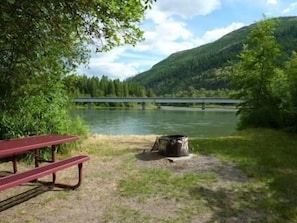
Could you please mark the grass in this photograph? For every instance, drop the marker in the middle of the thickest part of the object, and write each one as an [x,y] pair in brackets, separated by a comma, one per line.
[270,158]
[145,183]
[126,192]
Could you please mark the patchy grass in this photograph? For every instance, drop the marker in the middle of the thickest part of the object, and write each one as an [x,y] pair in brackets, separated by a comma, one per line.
[270,158]
[120,186]
[145,183]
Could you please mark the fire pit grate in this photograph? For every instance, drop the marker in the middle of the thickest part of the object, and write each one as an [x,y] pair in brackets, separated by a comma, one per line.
[172,145]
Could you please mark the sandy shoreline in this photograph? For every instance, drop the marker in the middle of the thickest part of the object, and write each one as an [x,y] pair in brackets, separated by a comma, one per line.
[117,141]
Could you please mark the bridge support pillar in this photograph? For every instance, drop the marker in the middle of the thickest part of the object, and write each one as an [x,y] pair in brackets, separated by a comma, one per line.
[143,105]
[89,106]
[203,106]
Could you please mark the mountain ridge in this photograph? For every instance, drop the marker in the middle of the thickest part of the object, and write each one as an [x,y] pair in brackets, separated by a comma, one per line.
[203,66]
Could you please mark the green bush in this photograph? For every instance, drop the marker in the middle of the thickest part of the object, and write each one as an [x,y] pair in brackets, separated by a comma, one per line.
[40,111]
[265,116]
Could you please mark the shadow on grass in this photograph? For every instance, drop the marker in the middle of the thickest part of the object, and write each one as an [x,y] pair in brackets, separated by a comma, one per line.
[266,156]
[149,156]
[5,173]
[23,197]
[225,206]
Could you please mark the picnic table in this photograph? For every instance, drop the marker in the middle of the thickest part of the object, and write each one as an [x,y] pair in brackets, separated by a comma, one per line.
[11,148]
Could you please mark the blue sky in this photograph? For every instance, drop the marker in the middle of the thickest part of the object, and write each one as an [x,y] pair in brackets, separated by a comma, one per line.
[175,25]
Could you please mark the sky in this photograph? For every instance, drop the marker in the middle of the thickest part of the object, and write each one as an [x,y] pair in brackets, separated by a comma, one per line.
[176,25]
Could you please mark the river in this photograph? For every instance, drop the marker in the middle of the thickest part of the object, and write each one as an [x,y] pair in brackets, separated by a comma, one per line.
[165,121]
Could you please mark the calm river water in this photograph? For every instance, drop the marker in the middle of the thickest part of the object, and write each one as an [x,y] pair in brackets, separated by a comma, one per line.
[192,123]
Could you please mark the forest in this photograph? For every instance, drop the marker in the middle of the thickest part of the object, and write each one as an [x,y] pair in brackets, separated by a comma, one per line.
[95,86]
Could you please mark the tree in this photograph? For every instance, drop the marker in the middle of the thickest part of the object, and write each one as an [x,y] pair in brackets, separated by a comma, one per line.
[43,41]
[111,89]
[71,83]
[289,93]
[291,71]
[253,74]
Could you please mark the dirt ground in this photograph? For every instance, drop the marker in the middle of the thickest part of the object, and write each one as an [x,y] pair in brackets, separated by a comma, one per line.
[98,198]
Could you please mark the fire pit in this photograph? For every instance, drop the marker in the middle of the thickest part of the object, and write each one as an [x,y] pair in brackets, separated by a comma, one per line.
[172,145]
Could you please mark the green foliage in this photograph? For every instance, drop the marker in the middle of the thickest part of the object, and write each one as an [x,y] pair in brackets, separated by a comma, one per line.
[269,89]
[291,71]
[202,93]
[253,75]
[263,116]
[205,66]
[289,97]
[39,112]
[43,41]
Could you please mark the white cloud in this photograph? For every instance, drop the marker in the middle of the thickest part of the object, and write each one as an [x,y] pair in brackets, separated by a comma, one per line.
[109,64]
[271,2]
[156,15]
[166,37]
[187,8]
[215,34]
[114,70]
[119,63]
[168,34]
[291,8]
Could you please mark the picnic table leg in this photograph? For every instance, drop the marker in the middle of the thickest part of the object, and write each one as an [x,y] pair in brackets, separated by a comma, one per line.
[75,186]
[79,175]
[53,160]
[36,157]
[14,163]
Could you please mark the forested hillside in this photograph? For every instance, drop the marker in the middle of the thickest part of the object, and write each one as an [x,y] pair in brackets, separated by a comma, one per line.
[203,67]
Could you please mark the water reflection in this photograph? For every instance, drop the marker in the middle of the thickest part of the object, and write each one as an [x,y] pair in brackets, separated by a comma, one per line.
[160,122]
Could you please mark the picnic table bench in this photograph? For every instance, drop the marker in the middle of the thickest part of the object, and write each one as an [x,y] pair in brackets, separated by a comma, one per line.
[33,144]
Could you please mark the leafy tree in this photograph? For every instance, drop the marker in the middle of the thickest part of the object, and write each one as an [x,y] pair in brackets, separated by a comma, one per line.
[289,93]
[43,41]
[253,74]
[291,70]
[71,83]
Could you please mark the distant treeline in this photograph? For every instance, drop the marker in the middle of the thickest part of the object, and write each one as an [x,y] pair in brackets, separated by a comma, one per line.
[84,86]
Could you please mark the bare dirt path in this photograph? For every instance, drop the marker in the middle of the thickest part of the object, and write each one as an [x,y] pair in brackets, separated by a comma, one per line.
[99,199]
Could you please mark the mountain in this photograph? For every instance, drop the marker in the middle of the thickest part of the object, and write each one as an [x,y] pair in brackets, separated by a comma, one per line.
[203,66]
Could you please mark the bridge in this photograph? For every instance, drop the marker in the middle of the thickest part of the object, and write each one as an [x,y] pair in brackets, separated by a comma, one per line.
[159,100]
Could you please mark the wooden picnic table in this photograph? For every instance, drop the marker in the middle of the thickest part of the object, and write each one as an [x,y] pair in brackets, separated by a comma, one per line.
[33,144]
[14,147]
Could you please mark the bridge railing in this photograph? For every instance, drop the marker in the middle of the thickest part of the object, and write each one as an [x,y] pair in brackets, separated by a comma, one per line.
[159,100]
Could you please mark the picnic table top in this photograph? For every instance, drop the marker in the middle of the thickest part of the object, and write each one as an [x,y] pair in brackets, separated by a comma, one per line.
[18,145]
